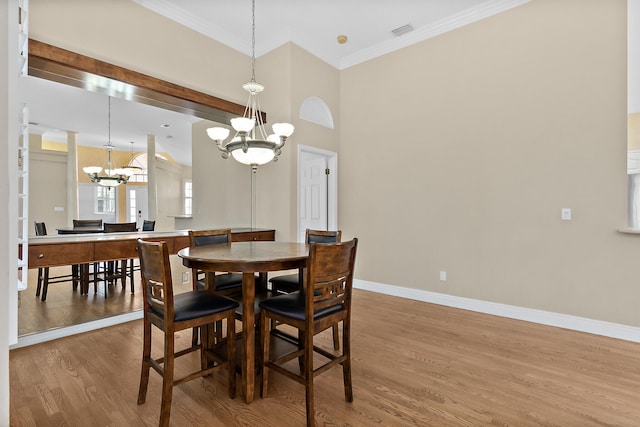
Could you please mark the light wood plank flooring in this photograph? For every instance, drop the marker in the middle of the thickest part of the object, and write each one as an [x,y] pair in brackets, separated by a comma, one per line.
[414,364]
[65,307]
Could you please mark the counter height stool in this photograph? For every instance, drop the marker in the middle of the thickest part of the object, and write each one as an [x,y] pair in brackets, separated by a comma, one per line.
[44,280]
[148,225]
[325,302]
[113,272]
[172,313]
[79,224]
[226,283]
[291,282]
[229,284]
[91,223]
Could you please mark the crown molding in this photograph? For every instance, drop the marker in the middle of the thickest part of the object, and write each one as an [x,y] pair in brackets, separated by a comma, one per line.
[277,39]
[196,23]
[442,26]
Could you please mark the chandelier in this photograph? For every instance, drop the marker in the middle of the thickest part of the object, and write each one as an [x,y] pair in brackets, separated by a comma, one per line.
[131,167]
[250,144]
[111,177]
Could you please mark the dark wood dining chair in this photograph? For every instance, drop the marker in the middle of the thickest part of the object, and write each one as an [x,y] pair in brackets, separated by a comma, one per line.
[225,283]
[79,223]
[172,313]
[229,284]
[148,225]
[44,279]
[94,277]
[113,269]
[291,282]
[325,302]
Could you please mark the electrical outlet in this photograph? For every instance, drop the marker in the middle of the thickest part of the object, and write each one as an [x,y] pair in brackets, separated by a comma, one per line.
[443,276]
[185,277]
[565,214]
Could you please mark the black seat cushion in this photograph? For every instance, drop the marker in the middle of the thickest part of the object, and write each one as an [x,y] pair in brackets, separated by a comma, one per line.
[292,305]
[287,283]
[200,303]
[225,281]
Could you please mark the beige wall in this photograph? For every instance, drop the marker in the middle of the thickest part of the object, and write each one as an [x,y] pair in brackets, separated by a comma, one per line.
[48,185]
[483,134]
[455,154]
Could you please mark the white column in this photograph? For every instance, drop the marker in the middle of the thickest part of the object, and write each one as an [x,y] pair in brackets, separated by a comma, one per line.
[152,184]
[72,177]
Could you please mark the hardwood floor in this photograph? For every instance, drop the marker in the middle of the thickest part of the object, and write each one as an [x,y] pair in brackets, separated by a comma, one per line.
[414,364]
[65,307]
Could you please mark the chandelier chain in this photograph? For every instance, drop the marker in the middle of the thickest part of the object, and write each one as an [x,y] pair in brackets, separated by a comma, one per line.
[253,40]
[109,121]
[245,146]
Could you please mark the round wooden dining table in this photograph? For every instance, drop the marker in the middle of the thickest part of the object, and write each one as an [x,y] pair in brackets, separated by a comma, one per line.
[247,258]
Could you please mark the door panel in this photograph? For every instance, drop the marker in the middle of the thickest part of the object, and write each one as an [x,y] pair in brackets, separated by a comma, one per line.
[137,205]
[313,194]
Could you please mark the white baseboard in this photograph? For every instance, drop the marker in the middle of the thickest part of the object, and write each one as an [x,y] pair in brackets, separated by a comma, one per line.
[582,324]
[53,334]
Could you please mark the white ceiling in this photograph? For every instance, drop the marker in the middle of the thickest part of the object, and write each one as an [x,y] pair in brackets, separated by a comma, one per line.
[316,24]
[312,24]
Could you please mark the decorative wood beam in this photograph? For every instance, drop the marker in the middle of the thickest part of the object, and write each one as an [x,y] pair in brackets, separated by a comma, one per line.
[63,66]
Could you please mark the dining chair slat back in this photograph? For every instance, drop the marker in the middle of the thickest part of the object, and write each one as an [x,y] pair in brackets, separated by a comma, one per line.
[171,313]
[79,223]
[291,282]
[325,302]
[125,269]
[148,225]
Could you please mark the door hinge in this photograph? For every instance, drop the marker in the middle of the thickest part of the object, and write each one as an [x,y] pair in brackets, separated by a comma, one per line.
[327,171]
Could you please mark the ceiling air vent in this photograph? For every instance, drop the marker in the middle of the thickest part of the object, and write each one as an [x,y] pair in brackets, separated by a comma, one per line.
[402,30]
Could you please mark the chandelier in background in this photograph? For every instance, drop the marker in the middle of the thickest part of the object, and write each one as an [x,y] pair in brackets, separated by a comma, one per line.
[132,167]
[250,144]
[111,177]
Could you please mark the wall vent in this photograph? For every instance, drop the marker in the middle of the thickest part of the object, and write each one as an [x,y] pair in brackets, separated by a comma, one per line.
[402,30]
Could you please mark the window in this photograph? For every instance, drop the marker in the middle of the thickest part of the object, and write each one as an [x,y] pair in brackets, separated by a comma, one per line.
[133,206]
[105,199]
[188,198]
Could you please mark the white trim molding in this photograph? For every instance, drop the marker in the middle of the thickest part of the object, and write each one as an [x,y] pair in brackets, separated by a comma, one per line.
[575,323]
[67,331]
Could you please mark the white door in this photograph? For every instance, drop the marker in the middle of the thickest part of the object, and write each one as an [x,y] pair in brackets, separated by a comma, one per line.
[137,205]
[317,183]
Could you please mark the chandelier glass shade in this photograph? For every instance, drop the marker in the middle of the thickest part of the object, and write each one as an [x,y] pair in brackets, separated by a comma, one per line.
[251,145]
[131,168]
[111,177]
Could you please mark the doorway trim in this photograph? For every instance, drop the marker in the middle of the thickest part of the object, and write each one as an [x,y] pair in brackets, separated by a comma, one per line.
[332,185]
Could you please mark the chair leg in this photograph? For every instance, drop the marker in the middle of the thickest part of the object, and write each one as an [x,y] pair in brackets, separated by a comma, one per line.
[264,340]
[45,283]
[194,336]
[40,275]
[336,337]
[123,272]
[205,336]
[131,274]
[301,360]
[75,272]
[144,371]
[231,354]
[346,365]
[167,379]
[308,374]
[217,332]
